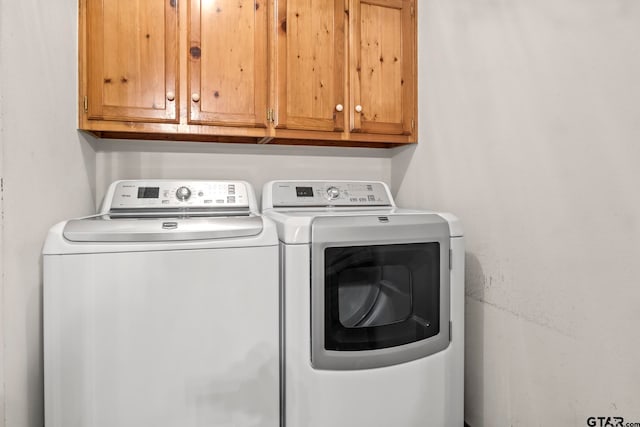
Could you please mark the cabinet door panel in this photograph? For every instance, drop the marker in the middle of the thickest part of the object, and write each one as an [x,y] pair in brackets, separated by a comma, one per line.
[310,64]
[228,70]
[383,66]
[132,60]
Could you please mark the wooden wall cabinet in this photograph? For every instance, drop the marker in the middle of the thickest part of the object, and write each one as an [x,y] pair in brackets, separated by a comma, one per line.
[383,81]
[310,72]
[228,63]
[131,61]
[310,65]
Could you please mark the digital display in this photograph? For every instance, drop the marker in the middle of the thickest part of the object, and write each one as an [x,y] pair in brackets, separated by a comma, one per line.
[148,192]
[304,191]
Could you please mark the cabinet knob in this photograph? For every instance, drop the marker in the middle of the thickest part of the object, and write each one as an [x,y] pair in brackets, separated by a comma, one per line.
[195,97]
[358,108]
[339,108]
[171,96]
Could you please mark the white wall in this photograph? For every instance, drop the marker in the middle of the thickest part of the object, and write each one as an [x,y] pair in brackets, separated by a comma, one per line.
[48,173]
[2,322]
[530,133]
[256,164]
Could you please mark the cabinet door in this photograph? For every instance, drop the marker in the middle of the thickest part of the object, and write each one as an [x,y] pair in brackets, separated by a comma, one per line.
[309,76]
[131,60]
[228,69]
[383,75]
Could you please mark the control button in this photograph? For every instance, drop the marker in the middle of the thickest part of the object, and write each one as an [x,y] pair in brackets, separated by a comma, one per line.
[183,193]
[333,193]
[208,201]
[165,202]
[200,193]
[220,201]
[353,199]
[372,198]
[363,199]
[231,199]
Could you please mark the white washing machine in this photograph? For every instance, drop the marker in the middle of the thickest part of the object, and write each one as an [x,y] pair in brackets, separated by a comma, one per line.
[162,310]
[372,297]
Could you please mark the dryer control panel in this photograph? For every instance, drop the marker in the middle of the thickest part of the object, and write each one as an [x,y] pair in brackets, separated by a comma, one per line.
[329,193]
[159,194]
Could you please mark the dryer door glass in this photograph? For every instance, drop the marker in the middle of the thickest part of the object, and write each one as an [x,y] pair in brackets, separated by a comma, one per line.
[381,296]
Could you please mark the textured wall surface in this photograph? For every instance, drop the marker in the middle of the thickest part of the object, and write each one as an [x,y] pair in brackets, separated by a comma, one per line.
[529,131]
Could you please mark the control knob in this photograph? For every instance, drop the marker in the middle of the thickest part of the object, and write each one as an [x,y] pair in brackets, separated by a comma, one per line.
[333,193]
[183,193]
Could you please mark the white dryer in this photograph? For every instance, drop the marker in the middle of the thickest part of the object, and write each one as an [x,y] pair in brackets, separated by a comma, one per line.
[373,302]
[162,310]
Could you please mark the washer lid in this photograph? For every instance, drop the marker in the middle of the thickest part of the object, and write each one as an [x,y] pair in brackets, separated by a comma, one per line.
[106,229]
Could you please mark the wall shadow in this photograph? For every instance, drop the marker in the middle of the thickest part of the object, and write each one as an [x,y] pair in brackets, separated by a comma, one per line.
[400,162]
[88,149]
[474,399]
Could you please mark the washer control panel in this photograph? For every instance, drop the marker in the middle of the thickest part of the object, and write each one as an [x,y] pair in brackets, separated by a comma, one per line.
[313,193]
[178,194]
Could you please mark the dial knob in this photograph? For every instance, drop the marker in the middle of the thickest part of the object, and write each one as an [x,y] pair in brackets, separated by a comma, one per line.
[183,193]
[333,193]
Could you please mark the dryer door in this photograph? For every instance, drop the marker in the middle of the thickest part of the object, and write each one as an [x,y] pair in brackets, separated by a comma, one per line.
[380,290]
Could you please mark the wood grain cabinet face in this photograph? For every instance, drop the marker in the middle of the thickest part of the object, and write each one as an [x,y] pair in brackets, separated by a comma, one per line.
[131,60]
[382,56]
[309,72]
[302,72]
[227,62]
